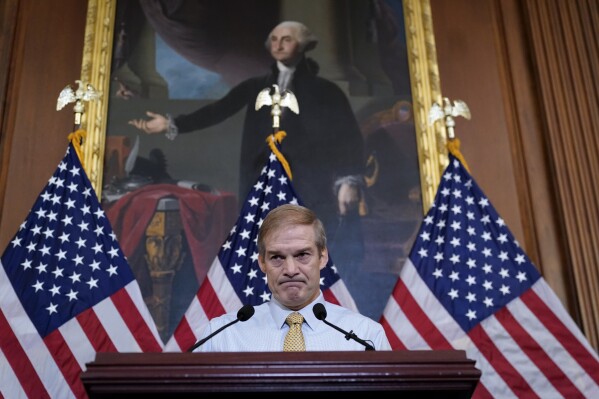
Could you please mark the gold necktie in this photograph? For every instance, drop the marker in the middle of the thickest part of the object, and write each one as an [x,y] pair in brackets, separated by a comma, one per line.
[294,340]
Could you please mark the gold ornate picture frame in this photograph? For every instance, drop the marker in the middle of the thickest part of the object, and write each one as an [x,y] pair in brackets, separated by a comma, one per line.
[424,76]
[424,87]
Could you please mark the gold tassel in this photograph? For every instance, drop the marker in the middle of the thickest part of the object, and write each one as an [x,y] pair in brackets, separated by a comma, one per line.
[454,147]
[278,137]
[76,138]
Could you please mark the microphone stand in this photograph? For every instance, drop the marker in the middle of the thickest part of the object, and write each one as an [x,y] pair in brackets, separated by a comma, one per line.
[200,342]
[351,335]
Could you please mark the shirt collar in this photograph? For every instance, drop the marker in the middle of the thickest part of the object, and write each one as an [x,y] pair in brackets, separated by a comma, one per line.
[279,312]
[284,68]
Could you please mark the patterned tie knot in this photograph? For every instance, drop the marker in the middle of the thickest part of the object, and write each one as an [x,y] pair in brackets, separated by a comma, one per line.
[294,318]
[294,341]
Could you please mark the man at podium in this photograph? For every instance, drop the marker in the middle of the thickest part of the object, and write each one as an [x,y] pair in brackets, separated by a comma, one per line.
[292,249]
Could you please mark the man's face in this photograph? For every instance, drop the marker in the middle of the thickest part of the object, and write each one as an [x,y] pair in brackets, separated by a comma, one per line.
[292,265]
[284,46]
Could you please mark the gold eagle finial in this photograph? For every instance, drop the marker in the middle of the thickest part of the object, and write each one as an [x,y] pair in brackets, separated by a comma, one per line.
[84,92]
[276,100]
[448,112]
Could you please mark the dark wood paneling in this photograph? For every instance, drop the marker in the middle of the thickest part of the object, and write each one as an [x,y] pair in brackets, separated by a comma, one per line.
[566,51]
[469,69]
[525,116]
[46,56]
[528,70]
[8,17]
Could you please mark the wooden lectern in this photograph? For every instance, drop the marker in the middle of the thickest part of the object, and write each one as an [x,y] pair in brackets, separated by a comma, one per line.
[422,374]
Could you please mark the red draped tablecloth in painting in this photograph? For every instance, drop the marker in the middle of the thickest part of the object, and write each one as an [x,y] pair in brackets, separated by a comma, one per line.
[206,219]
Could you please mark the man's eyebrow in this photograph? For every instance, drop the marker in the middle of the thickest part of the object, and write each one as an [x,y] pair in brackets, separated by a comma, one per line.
[295,252]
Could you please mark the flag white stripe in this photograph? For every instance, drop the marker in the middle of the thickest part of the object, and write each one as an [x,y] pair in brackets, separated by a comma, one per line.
[556,352]
[115,327]
[10,387]
[173,346]
[223,288]
[444,322]
[447,327]
[492,380]
[339,289]
[195,315]
[403,327]
[135,294]
[418,290]
[514,354]
[411,338]
[455,335]
[30,340]
[78,342]
[542,289]
[429,304]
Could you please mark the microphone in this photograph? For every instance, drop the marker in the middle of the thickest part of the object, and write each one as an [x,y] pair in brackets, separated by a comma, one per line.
[321,313]
[243,314]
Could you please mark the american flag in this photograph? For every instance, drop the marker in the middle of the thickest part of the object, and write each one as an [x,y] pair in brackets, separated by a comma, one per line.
[66,292]
[468,285]
[234,278]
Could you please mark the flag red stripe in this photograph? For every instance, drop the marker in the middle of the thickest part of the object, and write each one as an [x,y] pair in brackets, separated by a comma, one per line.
[19,361]
[537,355]
[394,340]
[135,322]
[329,296]
[184,335]
[95,332]
[212,307]
[66,361]
[481,392]
[561,332]
[418,317]
[209,300]
[495,357]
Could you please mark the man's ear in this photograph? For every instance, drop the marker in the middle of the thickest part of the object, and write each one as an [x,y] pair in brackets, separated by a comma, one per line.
[324,258]
[261,264]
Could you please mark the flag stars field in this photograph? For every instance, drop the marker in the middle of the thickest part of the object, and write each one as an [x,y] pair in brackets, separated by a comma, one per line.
[62,262]
[498,312]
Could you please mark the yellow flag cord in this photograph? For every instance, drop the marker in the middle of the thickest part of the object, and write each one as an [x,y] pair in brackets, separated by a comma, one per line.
[454,147]
[76,138]
[278,137]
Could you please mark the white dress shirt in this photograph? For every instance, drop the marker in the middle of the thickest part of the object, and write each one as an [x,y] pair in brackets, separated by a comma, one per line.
[285,76]
[265,331]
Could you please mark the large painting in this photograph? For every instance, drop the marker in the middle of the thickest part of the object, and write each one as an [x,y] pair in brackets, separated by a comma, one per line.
[173,196]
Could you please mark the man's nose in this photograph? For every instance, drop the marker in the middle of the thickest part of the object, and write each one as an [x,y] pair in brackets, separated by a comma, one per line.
[290,265]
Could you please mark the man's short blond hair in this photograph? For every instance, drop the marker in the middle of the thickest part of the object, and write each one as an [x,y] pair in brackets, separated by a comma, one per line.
[291,215]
